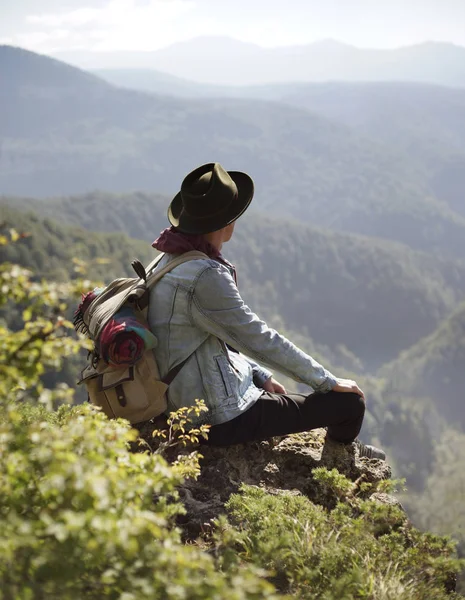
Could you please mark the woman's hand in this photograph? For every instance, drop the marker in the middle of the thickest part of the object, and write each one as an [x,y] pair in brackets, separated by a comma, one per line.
[273,387]
[348,385]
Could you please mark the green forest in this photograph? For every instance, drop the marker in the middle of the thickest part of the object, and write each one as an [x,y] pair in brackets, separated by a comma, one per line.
[354,248]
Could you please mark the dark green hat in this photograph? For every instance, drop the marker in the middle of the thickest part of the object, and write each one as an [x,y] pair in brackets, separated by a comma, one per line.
[210,198]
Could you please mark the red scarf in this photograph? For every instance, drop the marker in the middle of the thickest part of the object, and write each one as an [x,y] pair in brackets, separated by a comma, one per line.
[172,241]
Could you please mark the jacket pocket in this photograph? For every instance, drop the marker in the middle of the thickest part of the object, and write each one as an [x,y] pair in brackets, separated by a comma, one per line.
[226,374]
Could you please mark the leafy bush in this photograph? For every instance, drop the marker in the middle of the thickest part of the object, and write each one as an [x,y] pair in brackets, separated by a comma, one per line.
[79,517]
[361,549]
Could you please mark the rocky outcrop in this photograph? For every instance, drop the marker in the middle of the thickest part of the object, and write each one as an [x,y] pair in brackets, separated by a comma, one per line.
[279,465]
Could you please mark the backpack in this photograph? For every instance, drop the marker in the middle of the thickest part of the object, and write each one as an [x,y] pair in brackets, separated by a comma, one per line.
[135,392]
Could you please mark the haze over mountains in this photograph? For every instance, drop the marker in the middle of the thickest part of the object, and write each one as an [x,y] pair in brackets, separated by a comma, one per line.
[225,61]
[381,159]
[426,122]
[65,131]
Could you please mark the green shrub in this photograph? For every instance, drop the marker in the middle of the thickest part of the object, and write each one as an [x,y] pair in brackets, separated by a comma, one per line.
[82,517]
[359,550]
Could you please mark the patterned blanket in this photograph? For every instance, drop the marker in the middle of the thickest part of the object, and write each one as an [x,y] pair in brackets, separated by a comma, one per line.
[124,338]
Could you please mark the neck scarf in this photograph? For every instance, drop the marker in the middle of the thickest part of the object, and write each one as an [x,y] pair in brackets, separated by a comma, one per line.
[176,242]
[172,241]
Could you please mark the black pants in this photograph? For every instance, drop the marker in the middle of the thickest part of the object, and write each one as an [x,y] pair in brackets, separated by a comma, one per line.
[279,414]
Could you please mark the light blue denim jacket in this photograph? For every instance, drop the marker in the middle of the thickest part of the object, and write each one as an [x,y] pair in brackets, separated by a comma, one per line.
[196,310]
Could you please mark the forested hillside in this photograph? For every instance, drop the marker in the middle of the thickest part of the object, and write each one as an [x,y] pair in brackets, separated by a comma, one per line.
[58,141]
[375,298]
[425,122]
[50,248]
[434,368]
[410,116]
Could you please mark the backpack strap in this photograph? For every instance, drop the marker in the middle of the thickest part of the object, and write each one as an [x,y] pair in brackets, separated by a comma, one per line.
[153,264]
[153,278]
[175,370]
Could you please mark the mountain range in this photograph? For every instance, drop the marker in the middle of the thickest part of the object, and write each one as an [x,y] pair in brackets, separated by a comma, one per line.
[226,61]
[66,131]
[425,122]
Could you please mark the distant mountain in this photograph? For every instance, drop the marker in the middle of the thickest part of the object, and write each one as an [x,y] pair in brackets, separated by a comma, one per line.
[434,368]
[61,137]
[425,122]
[23,71]
[225,61]
[157,82]
[373,297]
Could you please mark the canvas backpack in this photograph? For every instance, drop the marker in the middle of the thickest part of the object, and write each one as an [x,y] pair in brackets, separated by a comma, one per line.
[136,392]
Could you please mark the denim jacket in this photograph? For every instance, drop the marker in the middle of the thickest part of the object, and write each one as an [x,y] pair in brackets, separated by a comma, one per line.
[196,311]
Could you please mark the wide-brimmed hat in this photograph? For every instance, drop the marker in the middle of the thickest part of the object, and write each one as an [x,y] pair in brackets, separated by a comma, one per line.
[210,198]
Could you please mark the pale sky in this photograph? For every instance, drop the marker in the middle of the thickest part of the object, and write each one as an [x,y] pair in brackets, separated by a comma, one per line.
[108,25]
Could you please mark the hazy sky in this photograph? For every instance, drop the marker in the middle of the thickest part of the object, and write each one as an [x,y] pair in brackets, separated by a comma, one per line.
[55,25]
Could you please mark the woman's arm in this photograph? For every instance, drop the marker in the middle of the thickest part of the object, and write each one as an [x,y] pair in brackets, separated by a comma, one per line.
[217,307]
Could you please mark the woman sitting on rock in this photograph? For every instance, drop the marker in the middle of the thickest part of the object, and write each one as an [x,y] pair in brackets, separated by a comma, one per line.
[201,322]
